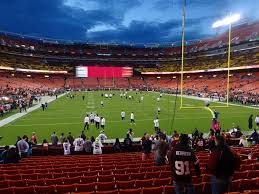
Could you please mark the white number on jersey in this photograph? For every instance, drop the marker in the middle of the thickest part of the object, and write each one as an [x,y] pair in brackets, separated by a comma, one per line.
[182,167]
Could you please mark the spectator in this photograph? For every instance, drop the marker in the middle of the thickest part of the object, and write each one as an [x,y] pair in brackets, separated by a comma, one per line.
[30,145]
[83,136]
[12,155]
[79,143]
[127,143]
[143,138]
[66,146]
[70,138]
[102,137]
[88,146]
[131,134]
[45,147]
[92,139]
[243,141]
[97,146]
[200,143]
[117,146]
[54,139]
[161,148]
[222,164]
[146,148]
[34,138]
[254,137]
[181,159]
[23,147]
[4,154]
[195,134]
[62,138]
[250,122]
[257,121]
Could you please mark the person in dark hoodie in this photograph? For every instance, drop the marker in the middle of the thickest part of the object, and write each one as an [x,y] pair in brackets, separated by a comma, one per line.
[222,164]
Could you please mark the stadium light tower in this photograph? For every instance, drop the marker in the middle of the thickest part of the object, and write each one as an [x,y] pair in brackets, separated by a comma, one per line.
[227,21]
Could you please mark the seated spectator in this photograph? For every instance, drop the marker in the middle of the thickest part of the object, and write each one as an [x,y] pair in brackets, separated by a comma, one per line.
[222,164]
[34,138]
[12,155]
[146,148]
[127,143]
[62,138]
[97,146]
[161,150]
[88,146]
[23,147]
[243,141]
[66,147]
[117,146]
[45,147]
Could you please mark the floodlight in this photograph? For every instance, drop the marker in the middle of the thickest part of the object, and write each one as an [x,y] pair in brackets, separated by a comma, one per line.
[226,21]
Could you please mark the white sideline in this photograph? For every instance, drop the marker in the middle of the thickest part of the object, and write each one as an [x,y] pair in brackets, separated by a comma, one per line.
[19,115]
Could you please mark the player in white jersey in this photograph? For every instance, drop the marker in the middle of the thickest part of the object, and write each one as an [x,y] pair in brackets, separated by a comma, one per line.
[123,115]
[161,95]
[158,110]
[102,137]
[102,122]
[87,120]
[142,98]
[92,118]
[132,118]
[97,121]
[158,99]
[97,146]
[78,143]
[66,147]
[156,124]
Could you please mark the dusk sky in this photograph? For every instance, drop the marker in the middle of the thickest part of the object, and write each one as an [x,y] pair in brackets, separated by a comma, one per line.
[120,21]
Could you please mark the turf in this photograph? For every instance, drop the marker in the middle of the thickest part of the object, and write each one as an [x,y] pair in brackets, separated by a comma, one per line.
[66,115]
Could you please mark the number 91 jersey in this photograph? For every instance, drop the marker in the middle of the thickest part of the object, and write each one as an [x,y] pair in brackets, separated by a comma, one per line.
[182,159]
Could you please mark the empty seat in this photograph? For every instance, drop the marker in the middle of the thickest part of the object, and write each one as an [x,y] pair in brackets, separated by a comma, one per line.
[105,178]
[64,188]
[121,177]
[105,186]
[153,190]
[162,181]
[125,184]
[45,189]
[144,183]
[23,190]
[84,187]
[137,175]
[150,175]
[130,191]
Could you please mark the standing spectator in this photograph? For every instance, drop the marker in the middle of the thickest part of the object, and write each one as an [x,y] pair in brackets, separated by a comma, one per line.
[30,145]
[23,147]
[161,148]
[70,138]
[79,144]
[83,136]
[102,137]
[54,139]
[117,146]
[257,121]
[222,164]
[97,146]
[131,134]
[254,137]
[45,147]
[66,146]
[146,148]
[127,143]
[250,122]
[92,139]
[4,154]
[182,158]
[62,138]
[34,138]
[200,143]
[88,146]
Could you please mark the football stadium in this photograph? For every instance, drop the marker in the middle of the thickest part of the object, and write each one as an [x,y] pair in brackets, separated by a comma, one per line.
[129,97]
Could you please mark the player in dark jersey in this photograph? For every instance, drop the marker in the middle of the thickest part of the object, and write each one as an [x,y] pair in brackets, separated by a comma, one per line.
[182,159]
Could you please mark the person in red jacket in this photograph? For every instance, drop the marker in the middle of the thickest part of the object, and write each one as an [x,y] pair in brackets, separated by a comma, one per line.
[222,164]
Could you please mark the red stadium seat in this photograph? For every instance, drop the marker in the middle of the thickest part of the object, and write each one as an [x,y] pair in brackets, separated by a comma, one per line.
[84,187]
[125,184]
[50,189]
[107,192]
[121,177]
[105,172]
[64,189]
[23,190]
[144,183]
[253,174]
[137,176]
[74,174]
[130,191]
[17,183]
[89,179]
[165,174]
[29,176]
[6,190]
[150,175]
[153,190]
[105,186]
[40,182]
[169,190]
[4,184]
[44,176]
[105,178]
[162,181]
[72,180]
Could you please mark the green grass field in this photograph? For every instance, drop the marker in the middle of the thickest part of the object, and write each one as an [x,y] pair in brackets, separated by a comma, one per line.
[66,115]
